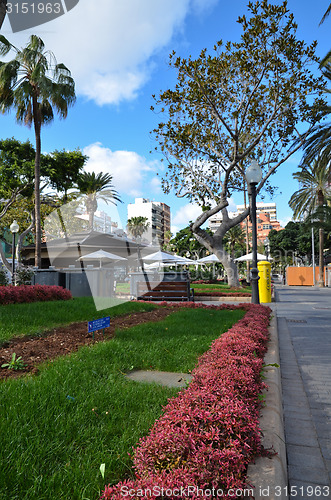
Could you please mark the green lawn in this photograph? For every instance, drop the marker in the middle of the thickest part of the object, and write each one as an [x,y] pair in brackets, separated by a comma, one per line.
[35,318]
[215,287]
[80,411]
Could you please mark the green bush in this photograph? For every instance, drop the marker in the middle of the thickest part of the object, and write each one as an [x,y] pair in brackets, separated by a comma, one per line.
[3,277]
[24,275]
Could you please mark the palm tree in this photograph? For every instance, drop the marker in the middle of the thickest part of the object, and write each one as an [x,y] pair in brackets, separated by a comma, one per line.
[327,12]
[96,187]
[318,143]
[33,83]
[137,226]
[234,236]
[314,192]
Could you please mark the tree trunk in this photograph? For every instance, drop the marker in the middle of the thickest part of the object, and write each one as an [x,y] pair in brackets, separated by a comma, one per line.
[37,128]
[215,245]
[23,235]
[4,260]
[230,267]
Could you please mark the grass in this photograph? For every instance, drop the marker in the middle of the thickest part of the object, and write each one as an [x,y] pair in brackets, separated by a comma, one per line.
[36,317]
[218,288]
[57,428]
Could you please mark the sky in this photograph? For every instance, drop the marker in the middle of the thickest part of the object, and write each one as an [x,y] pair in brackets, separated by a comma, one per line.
[117,52]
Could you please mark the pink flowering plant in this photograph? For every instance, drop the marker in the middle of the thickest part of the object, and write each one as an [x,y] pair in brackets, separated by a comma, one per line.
[32,293]
[209,433]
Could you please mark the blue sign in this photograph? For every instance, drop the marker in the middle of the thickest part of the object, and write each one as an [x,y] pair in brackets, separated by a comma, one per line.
[98,324]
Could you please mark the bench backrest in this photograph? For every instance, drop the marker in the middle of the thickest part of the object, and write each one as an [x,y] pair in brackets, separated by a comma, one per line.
[164,288]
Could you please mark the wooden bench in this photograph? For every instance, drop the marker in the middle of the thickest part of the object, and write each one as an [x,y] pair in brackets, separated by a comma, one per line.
[165,290]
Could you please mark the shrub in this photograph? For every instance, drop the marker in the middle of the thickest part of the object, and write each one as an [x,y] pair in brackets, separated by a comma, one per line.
[24,293]
[24,275]
[210,432]
[3,277]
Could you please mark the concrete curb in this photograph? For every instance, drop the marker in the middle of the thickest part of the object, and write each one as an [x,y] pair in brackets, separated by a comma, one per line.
[269,475]
[212,298]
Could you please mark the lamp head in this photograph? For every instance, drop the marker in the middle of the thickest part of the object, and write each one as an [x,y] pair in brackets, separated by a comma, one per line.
[14,227]
[253,173]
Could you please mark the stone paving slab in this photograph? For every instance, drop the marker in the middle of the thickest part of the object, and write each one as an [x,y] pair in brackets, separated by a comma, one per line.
[304,326]
[168,379]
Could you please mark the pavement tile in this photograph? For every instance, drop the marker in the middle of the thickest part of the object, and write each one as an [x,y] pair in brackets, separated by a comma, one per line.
[300,438]
[311,474]
[305,354]
[325,445]
[303,455]
[298,413]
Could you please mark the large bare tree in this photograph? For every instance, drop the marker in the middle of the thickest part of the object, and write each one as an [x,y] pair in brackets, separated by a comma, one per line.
[243,102]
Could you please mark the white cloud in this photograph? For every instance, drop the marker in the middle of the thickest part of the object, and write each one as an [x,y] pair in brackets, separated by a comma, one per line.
[185,214]
[108,45]
[189,212]
[130,171]
[285,220]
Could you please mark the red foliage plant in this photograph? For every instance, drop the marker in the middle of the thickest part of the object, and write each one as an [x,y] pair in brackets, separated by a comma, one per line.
[32,293]
[208,433]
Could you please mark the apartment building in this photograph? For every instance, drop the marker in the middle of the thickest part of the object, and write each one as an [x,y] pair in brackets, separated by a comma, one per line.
[266,219]
[266,208]
[156,213]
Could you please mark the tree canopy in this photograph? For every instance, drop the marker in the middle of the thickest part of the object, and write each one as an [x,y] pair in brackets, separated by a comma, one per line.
[35,85]
[244,101]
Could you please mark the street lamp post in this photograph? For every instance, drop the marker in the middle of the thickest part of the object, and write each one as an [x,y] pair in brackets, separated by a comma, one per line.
[253,177]
[14,228]
[267,247]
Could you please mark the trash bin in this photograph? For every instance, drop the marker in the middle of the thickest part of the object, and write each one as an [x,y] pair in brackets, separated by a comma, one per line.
[264,268]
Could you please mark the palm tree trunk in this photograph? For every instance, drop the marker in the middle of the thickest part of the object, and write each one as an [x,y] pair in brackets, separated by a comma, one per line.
[37,129]
[321,257]
[321,244]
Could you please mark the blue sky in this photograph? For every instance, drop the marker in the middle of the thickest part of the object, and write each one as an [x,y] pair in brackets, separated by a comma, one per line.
[118,52]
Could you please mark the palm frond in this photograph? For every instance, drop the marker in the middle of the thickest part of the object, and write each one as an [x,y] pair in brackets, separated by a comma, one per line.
[326,14]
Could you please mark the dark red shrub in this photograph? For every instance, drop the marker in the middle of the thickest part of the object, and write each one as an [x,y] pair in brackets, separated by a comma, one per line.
[32,293]
[210,432]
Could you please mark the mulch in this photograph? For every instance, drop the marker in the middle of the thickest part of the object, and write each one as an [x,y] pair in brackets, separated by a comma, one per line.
[64,340]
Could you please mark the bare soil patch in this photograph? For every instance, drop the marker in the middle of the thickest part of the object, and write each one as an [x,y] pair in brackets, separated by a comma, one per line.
[64,340]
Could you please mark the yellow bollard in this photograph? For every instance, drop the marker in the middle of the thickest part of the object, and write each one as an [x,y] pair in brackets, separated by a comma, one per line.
[264,268]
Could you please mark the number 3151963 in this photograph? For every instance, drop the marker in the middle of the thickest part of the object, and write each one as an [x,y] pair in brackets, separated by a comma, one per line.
[34,8]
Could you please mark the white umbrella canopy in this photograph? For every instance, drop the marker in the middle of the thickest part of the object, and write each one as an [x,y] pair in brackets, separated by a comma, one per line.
[249,256]
[166,260]
[161,257]
[102,256]
[183,261]
[208,259]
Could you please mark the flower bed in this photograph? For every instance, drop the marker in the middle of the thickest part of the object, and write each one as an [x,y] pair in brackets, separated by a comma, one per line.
[209,433]
[35,293]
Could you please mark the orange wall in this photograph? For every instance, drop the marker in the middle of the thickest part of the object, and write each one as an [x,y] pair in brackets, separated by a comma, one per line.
[301,275]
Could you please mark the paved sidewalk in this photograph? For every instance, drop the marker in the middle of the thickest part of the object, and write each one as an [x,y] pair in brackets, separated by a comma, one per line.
[304,326]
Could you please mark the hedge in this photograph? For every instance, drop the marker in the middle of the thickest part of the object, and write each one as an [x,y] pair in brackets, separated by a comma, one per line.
[209,433]
[32,293]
